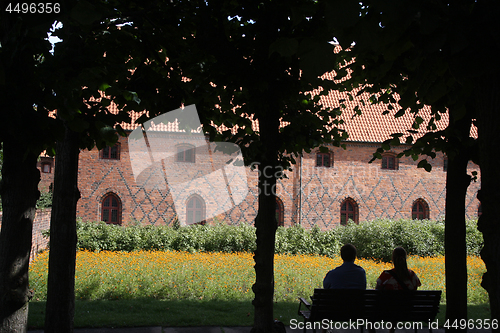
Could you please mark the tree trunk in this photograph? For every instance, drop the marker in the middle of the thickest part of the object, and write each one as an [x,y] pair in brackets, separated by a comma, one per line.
[457,182]
[60,308]
[20,178]
[266,226]
[488,120]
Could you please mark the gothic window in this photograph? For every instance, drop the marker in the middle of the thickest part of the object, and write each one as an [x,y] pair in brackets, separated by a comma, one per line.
[195,210]
[420,210]
[280,210]
[111,209]
[348,211]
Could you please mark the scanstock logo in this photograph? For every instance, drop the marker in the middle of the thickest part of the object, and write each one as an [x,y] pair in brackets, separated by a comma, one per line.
[205,178]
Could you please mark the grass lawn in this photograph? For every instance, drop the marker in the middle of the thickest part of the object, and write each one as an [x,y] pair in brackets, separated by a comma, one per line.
[151,312]
[127,289]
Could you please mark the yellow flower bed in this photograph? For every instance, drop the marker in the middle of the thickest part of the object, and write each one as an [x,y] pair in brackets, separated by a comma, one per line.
[223,276]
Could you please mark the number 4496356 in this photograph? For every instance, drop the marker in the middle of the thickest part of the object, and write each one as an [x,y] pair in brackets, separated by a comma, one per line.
[34,7]
[471,324]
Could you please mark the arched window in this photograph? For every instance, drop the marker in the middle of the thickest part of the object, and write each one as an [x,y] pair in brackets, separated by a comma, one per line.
[186,153]
[348,211]
[324,160]
[280,212]
[111,209]
[390,162]
[420,210]
[111,153]
[195,210]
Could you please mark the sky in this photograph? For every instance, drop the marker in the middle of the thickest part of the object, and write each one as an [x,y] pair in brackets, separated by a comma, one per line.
[52,39]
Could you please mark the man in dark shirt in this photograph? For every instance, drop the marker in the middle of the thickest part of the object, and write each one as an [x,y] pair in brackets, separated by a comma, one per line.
[348,275]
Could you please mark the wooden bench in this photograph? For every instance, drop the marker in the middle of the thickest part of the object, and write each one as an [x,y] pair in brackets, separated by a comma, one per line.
[374,306]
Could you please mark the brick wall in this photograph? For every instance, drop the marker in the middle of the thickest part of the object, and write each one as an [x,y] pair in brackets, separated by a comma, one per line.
[310,195]
[379,193]
[46,167]
[40,223]
[148,204]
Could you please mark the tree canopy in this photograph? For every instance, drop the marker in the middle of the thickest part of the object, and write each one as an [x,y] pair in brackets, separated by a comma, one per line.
[239,62]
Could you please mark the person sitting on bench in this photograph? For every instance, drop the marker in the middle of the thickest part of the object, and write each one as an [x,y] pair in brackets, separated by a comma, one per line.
[400,277]
[348,275]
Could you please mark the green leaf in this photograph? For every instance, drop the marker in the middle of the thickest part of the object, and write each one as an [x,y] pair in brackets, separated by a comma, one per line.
[131,96]
[142,119]
[105,102]
[108,134]
[395,142]
[399,113]
[425,165]
[323,149]
[103,87]
[357,110]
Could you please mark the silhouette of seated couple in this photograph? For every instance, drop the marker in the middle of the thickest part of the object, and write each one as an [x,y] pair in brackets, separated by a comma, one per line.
[351,276]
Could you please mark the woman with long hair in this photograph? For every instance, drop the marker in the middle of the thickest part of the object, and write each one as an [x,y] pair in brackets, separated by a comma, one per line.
[400,277]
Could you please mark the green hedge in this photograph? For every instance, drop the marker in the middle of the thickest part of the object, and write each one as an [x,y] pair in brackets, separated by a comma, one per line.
[374,239]
[219,238]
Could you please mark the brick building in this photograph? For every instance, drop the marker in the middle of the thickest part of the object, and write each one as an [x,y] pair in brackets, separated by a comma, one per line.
[324,189]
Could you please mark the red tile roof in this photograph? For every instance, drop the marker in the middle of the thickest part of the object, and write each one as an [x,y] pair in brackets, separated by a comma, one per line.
[371,126]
